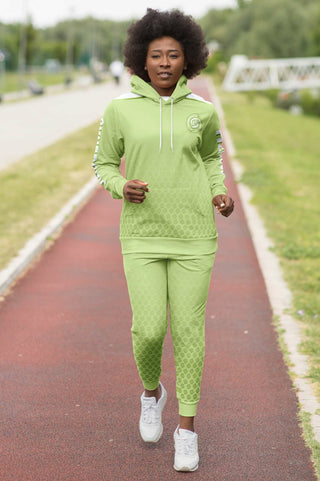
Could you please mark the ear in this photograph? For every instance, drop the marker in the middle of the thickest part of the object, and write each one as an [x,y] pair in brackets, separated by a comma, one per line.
[145,67]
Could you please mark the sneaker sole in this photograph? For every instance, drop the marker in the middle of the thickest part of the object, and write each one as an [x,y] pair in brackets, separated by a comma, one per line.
[153,440]
[186,468]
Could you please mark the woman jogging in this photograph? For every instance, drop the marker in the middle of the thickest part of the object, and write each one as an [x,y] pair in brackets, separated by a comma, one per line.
[174,177]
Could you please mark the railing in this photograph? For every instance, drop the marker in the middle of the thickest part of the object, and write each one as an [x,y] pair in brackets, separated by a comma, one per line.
[287,73]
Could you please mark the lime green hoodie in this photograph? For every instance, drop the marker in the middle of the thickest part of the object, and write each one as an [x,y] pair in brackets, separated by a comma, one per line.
[174,146]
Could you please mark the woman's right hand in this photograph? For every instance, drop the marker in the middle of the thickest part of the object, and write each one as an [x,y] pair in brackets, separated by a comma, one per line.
[135,191]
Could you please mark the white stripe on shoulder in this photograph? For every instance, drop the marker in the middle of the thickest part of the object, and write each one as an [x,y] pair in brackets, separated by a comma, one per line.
[128,95]
[197,97]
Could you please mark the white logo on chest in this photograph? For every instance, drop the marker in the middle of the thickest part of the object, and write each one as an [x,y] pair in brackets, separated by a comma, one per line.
[194,123]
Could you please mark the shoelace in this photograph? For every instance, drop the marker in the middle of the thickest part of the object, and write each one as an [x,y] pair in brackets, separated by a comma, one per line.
[150,412]
[185,446]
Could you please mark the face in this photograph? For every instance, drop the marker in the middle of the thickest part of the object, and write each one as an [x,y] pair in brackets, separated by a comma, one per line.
[165,64]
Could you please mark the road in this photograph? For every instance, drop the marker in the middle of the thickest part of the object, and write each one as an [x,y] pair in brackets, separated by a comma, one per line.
[30,125]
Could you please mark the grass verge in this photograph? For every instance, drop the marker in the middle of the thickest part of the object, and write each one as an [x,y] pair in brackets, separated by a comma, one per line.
[12,80]
[308,435]
[280,155]
[34,189]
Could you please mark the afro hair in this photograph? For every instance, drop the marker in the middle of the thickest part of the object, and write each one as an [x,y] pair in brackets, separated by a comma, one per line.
[155,24]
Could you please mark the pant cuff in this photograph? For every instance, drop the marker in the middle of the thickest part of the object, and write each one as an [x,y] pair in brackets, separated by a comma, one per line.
[151,386]
[188,410]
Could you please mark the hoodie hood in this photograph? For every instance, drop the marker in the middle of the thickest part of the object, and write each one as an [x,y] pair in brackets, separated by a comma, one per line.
[140,87]
[144,89]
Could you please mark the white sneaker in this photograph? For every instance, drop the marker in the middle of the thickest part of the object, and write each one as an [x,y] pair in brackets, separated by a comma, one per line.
[186,450]
[151,413]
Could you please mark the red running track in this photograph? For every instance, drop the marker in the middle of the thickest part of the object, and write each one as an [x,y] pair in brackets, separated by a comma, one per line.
[69,402]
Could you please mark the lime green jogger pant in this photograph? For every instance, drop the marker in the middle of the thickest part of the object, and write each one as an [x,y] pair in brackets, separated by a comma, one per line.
[182,283]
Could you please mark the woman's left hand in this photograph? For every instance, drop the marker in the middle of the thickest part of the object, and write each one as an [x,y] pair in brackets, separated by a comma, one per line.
[224,204]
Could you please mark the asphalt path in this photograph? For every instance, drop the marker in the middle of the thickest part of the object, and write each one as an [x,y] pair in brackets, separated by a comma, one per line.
[29,125]
[69,401]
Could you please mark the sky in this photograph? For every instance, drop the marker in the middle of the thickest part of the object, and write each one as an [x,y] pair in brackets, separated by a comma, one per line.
[48,12]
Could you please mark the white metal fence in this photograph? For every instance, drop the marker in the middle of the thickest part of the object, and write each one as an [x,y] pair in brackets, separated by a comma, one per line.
[287,73]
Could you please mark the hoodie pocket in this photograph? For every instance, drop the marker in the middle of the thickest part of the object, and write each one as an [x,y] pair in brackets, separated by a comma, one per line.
[177,212]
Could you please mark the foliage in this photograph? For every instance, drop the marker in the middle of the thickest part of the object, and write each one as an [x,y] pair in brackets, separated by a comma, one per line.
[312,443]
[258,28]
[315,29]
[31,35]
[85,38]
[303,101]
[214,61]
[310,103]
[266,28]
[283,35]
[10,44]
[214,25]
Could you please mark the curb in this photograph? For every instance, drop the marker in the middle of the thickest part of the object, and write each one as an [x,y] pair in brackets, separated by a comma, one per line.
[38,242]
[280,296]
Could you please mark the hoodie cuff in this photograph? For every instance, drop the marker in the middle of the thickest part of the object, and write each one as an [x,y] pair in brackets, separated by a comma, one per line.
[219,190]
[117,191]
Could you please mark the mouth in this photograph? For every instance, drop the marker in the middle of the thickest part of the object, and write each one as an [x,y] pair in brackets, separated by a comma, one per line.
[164,75]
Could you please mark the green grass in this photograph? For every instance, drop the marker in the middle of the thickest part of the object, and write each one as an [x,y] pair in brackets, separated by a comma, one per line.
[12,81]
[35,188]
[314,446]
[280,154]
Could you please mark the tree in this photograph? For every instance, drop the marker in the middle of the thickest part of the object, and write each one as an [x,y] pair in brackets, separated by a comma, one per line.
[31,41]
[315,31]
[215,25]
[10,44]
[242,3]
[269,28]
[257,28]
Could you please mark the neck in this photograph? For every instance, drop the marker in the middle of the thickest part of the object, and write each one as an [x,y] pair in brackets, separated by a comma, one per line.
[163,92]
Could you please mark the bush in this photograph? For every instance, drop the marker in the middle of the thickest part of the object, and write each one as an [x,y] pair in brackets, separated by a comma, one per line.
[306,100]
[286,99]
[310,103]
[272,95]
[213,62]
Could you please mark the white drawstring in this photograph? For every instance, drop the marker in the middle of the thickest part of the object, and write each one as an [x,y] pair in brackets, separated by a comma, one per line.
[171,124]
[160,143]
[171,133]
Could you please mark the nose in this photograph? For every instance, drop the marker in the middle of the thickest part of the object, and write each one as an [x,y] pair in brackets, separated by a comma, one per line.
[164,61]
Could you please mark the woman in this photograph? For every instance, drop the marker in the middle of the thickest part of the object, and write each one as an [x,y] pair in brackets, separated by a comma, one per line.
[174,176]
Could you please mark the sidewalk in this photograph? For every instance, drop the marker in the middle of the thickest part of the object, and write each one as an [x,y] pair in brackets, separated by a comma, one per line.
[33,124]
[69,402]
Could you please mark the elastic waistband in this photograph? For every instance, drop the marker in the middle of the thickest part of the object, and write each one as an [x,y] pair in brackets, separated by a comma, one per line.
[167,246]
